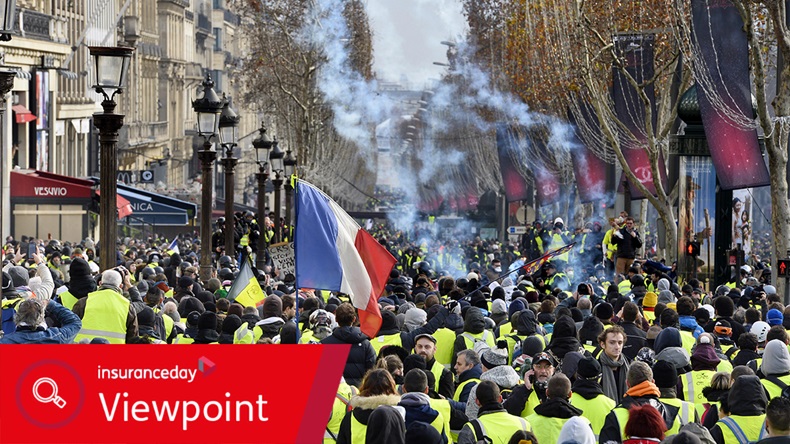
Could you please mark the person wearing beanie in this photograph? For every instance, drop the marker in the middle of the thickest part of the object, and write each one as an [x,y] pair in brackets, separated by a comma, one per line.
[564,339]
[525,326]
[493,421]
[419,432]
[725,308]
[495,369]
[666,379]
[588,395]
[774,317]
[146,321]
[184,288]
[775,368]
[746,402]
[704,362]
[516,305]
[641,391]
[188,336]
[554,412]
[498,310]
[207,329]
[230,324]
[391,334]
[474,332]
[106,312]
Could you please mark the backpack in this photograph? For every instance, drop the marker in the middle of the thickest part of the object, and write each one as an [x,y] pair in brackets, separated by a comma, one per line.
[784,387]
[479,344]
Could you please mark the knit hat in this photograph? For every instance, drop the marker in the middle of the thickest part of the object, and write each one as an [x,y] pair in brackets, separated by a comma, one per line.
[146,317]
[272,307]
[664,374]
[515,306]
[185,282]
[774,317]
[142,286]
[422,433]
[8,283]
[231,324]
[588,368]
[491,359]
[531,346]
[498,306]
[20,276]
[207,321]
[604,311]
[650,299]
[190,304]
[193,318]
[760,329]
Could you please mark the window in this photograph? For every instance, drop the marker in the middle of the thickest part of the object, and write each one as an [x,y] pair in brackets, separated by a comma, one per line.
[217,39]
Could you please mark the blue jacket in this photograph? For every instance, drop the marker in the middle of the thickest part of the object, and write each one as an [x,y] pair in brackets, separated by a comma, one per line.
[70,322]
[689,323]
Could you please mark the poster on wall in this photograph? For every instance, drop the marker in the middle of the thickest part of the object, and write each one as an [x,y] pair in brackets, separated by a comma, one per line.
[741,224]
[696,221]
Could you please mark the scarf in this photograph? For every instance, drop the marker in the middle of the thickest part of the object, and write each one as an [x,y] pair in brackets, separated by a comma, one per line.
[611,387]
[644,388]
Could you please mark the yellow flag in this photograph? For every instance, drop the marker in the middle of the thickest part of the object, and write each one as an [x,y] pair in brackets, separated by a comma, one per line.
[245,289]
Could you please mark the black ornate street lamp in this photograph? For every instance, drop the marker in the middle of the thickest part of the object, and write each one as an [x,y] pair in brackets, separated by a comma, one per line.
[208,109]
[262,143]
[290,169]
[228,135]
[111,65]
[7,19]
[276,160]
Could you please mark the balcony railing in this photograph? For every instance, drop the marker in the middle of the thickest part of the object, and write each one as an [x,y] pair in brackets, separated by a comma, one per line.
[204,23]
[231,18]
[143,132]
[189,15]
[35,25]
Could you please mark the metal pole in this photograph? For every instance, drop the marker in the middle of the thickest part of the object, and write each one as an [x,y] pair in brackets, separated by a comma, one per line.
[207,157]
[6,84]
[108,124]
[278,183]
[288,196]
[260,257]
[229,163]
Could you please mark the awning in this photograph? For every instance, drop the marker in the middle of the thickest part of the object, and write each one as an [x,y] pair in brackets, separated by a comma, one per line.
[23,115]
[148,211]
[44,185]
[123,205]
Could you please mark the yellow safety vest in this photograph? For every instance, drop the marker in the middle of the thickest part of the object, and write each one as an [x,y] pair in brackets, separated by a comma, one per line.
[693,382]
[105,316]
[595,410]
[339,409]
[181,339]
[504,330]
[243,335]
[752,428]
[532,402]
[437,369]
[558,242]
[469,339]
[687,413]
[621,414]
[169,324]
[444,346]
[649,314]
[68,300]
[380,341]
[547,429]
[624,287]
[498,426]
[460,388]
[307,336]
[443,407]
[774,391]
[687,340]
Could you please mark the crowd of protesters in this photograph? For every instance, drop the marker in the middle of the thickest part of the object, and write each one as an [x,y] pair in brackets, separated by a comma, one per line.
[598,345]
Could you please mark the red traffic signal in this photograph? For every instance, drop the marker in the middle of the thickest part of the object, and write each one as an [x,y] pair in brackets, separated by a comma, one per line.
[783,267]
[692,249]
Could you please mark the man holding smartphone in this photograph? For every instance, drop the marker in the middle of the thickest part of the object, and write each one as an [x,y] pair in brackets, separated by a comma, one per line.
[628,241]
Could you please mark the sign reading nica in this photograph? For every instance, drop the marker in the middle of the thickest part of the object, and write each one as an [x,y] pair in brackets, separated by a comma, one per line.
[283,257]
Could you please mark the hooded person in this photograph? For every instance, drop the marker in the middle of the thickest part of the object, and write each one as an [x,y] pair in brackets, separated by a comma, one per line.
[775,367]
[526,326]
[588,395]
[747,402]
[385,426]
[417,404]
[564,339]
[498,310]
[474,331]
[669,347]
[362,357]
[495,369]
[422,433]
[272,323]
[207,329]
[146,322]
[577,431]
[229,327]
[588,333]
[414,319]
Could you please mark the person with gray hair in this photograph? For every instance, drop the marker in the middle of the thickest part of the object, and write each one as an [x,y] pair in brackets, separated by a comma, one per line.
[106,312]
[32,329]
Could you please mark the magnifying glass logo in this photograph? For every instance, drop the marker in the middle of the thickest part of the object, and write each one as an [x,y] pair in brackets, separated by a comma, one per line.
[54,398]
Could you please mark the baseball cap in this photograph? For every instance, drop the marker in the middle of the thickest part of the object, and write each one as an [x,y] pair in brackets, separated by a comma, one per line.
[425,335]
[543,356]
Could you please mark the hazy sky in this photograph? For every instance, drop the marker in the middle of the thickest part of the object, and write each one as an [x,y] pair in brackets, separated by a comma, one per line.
[406,36]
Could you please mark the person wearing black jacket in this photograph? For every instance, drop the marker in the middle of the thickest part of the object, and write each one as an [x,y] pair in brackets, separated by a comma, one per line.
[636,338]
[627,240]
[362,357]
[747,401]
[725,307]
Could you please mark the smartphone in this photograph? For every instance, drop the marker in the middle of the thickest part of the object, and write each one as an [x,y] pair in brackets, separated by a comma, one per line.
[31,250]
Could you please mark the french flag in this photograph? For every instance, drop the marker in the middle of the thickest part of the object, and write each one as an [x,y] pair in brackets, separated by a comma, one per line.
[334,253]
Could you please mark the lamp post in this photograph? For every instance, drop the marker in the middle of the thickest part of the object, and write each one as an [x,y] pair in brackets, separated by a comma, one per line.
[6,84]
[262,143]
[276,159]
[111,64]
[290,169]
[208,110]
[228,135]
[7,19]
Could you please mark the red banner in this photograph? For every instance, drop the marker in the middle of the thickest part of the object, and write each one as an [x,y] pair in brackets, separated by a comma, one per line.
[203,393]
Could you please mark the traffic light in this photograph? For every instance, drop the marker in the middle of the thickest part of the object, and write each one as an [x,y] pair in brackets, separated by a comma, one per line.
[783,266]
[692,249]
